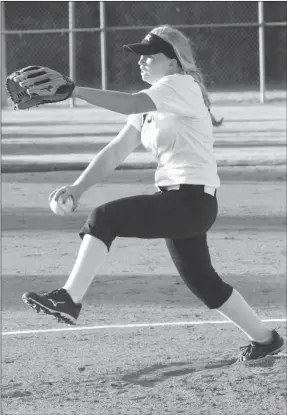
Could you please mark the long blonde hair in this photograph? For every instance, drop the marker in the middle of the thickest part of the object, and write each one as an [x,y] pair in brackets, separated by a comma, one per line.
[183,50]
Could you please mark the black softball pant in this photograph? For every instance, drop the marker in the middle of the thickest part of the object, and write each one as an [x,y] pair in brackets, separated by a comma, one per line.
[182,217]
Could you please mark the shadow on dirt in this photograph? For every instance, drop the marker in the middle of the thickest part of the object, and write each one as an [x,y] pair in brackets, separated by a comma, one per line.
[150,376]
[157,373]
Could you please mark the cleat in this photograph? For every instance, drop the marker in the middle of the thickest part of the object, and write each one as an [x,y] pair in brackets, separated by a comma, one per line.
[255,352]
[57,303]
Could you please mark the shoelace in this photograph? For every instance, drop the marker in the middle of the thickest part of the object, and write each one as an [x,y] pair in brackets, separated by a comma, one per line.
[54,293]
[247,350]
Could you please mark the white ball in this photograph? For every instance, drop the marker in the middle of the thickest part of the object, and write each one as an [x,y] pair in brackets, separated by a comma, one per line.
[60,208]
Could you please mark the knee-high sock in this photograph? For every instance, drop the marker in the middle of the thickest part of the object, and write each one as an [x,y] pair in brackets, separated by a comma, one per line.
[91,254]
[243,316]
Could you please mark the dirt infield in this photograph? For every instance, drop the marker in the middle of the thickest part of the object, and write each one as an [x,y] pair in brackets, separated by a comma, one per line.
[51,138]
[185,369]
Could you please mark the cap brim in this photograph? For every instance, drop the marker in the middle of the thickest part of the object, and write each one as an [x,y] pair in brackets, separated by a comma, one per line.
[142,48]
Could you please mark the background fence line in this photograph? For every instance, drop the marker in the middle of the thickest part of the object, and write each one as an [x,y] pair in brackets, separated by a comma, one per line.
[104,29]
[145,27]
[103,24]
[261,45]
[72,47]
[3,66]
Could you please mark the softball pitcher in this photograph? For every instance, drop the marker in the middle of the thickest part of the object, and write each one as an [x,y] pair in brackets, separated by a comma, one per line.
[172,119]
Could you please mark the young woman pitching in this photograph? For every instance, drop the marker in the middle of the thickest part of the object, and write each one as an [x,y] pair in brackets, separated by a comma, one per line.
[172,120]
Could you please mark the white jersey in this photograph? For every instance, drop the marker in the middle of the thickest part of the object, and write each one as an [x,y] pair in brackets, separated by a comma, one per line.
[178,133]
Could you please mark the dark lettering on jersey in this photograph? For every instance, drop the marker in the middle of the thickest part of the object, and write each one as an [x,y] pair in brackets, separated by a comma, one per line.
[147,118]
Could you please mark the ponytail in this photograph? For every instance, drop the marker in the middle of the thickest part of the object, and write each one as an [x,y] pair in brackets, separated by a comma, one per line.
[199,79]
[215,122]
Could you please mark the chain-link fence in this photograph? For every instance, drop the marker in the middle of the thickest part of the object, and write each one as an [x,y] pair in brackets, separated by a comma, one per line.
[225,38]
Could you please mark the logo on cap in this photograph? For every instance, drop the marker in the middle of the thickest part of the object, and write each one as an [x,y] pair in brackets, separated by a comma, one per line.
[148,37]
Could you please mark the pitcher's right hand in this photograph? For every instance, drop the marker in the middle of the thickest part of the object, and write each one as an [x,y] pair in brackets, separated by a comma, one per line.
[65,192]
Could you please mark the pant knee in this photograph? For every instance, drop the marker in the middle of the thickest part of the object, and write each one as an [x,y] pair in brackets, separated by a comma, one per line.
[100,225]
[219,293]
[210,288]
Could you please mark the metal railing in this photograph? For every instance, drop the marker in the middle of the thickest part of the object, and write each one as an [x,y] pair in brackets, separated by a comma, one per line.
[103,29]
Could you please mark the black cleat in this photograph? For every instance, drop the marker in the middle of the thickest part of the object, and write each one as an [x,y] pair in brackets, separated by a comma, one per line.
[257,351]
[57,303]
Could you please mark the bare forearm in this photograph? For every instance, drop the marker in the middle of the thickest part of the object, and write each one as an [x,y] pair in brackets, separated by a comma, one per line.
[102,164]
[120,102]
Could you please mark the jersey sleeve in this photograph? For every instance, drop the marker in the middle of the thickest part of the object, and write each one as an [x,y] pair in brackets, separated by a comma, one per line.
[135,120]
[176,95]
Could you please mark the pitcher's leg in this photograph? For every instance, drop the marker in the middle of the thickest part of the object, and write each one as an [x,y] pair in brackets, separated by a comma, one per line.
[91,255]
[192,260]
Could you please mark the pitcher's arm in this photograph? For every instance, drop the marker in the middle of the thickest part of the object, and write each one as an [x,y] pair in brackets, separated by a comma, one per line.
[121,102]
[109,157]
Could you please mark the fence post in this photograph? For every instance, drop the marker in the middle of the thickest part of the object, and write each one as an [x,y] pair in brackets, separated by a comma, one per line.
[72,54]
[261,39]
[103,28]
[3,65]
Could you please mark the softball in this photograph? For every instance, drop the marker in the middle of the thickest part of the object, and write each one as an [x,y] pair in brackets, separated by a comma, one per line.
[60,208]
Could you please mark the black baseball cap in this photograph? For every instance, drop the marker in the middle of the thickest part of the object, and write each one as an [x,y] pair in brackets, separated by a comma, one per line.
[152,45]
